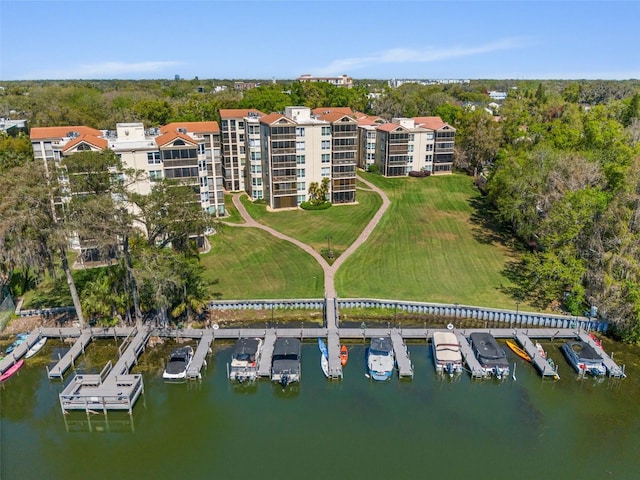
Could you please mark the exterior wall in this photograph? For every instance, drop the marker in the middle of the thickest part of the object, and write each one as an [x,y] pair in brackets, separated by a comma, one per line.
[344,158]
[232,130]
[443,151]
[366,146]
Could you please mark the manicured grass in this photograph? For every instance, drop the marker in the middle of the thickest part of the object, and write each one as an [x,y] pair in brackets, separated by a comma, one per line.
[343,223]
[250,263]
[232,212]
[432,245]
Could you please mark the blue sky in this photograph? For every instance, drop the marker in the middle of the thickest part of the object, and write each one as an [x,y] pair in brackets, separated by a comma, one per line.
[130,39]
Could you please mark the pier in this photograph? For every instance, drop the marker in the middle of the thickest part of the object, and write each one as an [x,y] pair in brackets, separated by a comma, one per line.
[405,367]
[542,364]
[200,357]
[613,369]
[475,369]
[67,361]
[264,367]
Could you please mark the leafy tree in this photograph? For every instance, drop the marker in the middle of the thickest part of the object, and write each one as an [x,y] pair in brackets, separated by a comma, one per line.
[14,151]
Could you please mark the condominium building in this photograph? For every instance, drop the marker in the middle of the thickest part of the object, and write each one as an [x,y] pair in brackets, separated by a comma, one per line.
[187,152]
[240,135]
[344,155]
[341,81]
[367,139]
[414,144]
[296,151]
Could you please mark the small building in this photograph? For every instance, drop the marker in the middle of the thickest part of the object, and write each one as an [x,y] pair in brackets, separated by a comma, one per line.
[341,81]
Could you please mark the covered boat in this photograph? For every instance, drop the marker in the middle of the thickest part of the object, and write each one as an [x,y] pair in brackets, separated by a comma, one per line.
[245,359]
[285,363]
[380,358]
[178,363]
[447,356]
[584,358]
[490,355]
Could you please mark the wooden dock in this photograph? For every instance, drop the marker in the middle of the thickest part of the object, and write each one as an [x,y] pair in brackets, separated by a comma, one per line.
[200,357]
[475,369]
[405,367]
[613,369]
[542,364]
[264,368]
[19,351]
[333,339]
[69,358]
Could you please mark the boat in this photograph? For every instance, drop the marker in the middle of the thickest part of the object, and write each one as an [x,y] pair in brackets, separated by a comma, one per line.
[595,339]
[380,358]
[490,355]
[178,363]
[324,357]
[36,347]
[245,359]
[20,339]
[540,350]
[285,363]
[518,351]
[447,356]
[584,358]
[11,370]
[344,355]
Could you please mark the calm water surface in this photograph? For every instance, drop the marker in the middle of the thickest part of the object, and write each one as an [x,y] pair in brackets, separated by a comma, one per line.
[425,428]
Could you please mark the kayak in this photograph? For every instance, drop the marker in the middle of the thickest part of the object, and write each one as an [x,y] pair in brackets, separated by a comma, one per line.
[518,351]
[11,370]
[344,355]
[36,347]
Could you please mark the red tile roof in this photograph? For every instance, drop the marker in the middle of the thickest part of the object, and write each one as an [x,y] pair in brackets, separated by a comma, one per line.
[389,127]
[171,136]
[238,112]
[433,123]
[192,127]
[335,116]
[100,143]
[325,110]
[271,118]
[43,133]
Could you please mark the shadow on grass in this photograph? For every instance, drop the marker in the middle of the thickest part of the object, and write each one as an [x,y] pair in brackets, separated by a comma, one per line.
[486,228]
[522,291]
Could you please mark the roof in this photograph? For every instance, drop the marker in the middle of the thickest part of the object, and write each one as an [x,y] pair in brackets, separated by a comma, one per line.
[42,133]
[100,143]
[335,116]
[192,127]
[389,127]
[582,350]
[325,110]
[486,346]
[286,346]
[246,345]
[433,123]
[239,112]
[171,136]
[381,344]
[272,118]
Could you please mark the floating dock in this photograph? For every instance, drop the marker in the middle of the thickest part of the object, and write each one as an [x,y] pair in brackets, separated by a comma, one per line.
[475,369]
[67,361]
[200,357]
[405,367]
[542,364]
[264,368]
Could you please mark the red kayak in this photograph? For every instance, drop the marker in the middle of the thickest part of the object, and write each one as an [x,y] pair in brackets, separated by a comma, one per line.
[11,370]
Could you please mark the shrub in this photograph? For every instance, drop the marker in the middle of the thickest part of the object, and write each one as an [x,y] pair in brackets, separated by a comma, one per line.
[311,206]
[420,174]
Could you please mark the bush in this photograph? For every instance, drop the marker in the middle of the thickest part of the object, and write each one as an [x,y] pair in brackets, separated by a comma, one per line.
[311,206]
[373,168]
[419,174]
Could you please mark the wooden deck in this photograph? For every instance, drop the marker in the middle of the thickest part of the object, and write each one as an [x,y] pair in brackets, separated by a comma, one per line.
[542,365]
[405,367]
[200,357]
[18,352]
[475,369]
[264,368]
[69,358]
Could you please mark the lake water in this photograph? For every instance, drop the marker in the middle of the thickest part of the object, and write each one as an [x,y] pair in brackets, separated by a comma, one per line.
[422,428]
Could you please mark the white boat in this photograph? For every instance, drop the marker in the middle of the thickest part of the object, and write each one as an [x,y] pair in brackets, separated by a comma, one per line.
[447,356]
[178,363]
[540,350]
[584,358]
[380,359]
[245,359]
[324,357]
[36,347]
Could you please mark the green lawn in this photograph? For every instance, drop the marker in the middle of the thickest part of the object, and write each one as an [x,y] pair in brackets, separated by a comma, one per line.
[233,215]
[343,223]
[249,263]
[431,246]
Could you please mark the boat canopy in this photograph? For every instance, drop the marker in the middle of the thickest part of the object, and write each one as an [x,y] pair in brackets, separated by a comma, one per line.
[447,347]
[246,349]
[583,351]
[381,346]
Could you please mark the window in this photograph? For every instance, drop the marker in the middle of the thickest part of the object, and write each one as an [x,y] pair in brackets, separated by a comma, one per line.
[255,156]
[300,160]
[153,158]
[256,168]
[302,186]
[301,198]
[225,124]
[371,135]
[326,131]
[300,173]
[409,148]
[411,137]
[429,147]
[325,172]
[256,182]
[240,124]
[257,194]
[428,158]
[155,175]
[201,149]
[203,182]
[371,146]
[299,131]
[300,145]
[429,135]
[326,158]
[326,144]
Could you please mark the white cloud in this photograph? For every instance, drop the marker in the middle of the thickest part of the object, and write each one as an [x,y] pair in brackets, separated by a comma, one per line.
[419,55]
[103,70]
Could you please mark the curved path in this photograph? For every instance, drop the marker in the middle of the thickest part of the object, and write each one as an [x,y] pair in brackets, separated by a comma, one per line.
[329,270]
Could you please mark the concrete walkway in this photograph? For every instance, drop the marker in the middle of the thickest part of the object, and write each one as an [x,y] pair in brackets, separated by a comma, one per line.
[329,270]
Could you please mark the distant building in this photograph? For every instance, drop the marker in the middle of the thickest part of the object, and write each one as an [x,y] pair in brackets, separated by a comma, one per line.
[342,81]
[13,127]
[495,95]
[395,83]
[242,86]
